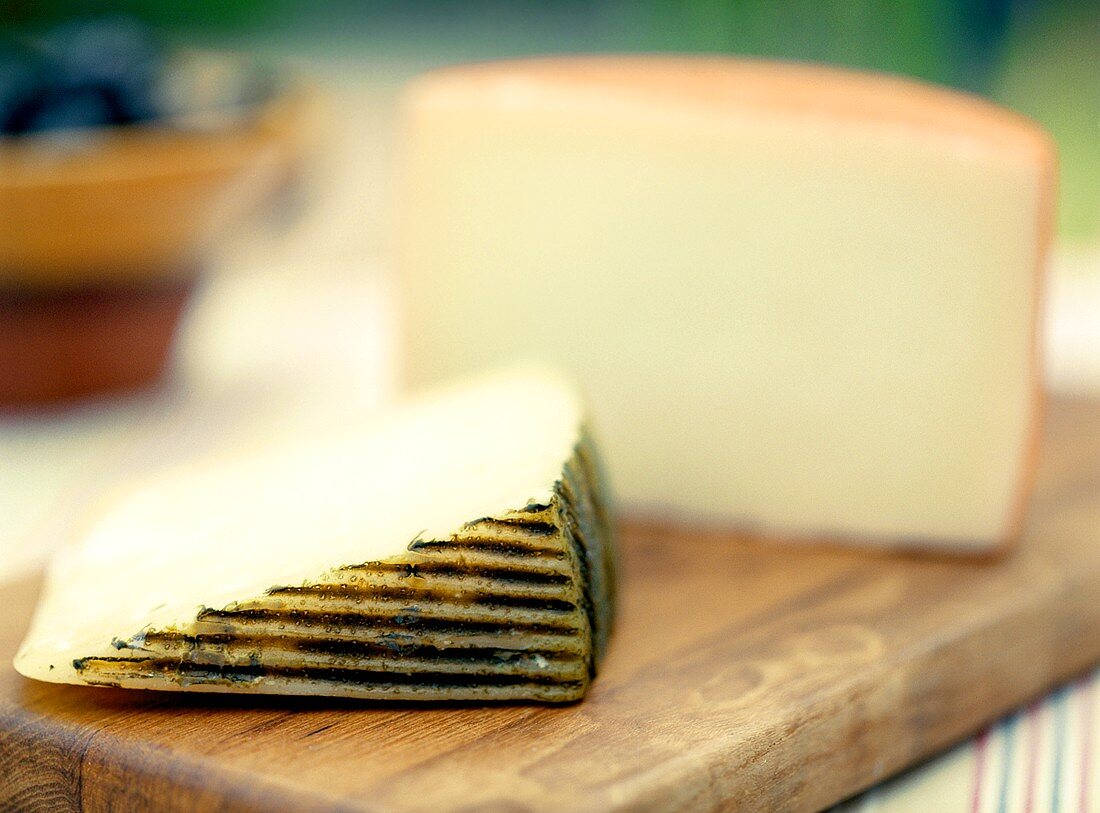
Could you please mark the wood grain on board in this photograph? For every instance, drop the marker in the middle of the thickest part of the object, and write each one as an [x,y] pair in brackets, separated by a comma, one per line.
[742,676]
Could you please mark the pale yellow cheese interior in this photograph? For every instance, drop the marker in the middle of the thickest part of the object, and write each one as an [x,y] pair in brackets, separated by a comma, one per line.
[228,530]
[801,301]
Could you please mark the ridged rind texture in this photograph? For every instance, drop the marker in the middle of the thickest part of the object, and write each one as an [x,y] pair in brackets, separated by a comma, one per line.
[512,607]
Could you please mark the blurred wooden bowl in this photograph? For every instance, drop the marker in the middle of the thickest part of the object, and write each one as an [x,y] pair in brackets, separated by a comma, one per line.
[107,229]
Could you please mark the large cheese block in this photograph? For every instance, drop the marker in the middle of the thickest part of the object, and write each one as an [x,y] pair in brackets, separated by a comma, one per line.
[801,300]
[458,550]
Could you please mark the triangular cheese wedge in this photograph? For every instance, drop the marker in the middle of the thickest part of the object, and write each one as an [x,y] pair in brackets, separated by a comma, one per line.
[460,550]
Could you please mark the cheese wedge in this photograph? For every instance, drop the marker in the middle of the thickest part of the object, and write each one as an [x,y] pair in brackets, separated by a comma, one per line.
[460,550]
[802,300]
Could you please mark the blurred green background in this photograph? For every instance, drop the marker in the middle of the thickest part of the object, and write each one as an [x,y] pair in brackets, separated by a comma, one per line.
[1041,57]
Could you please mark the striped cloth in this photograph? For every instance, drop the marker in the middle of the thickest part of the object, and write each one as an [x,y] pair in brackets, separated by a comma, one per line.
[1039,760]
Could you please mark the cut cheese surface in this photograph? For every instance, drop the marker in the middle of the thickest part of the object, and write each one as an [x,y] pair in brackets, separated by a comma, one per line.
[459,549]
[801,300]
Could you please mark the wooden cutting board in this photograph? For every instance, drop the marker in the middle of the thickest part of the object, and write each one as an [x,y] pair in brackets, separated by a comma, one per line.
[742,677]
